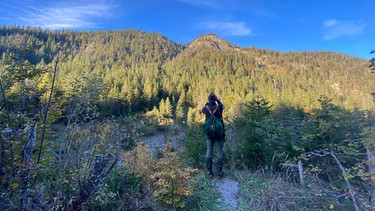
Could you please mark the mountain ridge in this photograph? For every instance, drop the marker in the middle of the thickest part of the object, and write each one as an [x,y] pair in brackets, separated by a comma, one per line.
[212,41]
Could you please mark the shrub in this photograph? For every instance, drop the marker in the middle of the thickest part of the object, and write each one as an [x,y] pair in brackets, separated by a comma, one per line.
[168,180]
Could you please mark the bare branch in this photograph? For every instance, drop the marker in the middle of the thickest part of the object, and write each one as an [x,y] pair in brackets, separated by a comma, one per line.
[317,154]
[351,190]
[45,113]
[89,187]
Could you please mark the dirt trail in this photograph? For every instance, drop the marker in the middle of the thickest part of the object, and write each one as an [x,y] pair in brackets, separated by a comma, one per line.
[159,140]
[228,189]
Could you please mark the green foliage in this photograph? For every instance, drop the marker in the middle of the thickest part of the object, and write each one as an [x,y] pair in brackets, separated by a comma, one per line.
[194,144]
[290,121]
[180,113]
[138,69]
[332,150]
[329,125]
[69,150]
[332,129]
[164,113]
[20,111]
[17,85]
[256,109]
[128,196]
[257,133]
[83,94]
[68,163]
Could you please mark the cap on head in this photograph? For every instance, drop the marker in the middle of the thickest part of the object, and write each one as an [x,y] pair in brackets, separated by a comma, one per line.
[212,97]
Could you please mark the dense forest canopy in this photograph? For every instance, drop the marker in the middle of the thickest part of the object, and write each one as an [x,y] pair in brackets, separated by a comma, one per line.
[137,69]
[281,108]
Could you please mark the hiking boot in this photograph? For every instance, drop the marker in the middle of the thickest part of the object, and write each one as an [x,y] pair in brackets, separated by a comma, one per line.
[210,174]
[220,175]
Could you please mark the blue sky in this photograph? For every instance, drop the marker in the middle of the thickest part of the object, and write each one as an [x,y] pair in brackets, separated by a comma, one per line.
[345,26]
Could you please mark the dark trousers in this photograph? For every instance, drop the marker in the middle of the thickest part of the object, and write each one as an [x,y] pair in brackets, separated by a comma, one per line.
[218,145]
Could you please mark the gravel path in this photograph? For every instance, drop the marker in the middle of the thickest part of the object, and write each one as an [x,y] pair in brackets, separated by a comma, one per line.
[158,141]
[228,189]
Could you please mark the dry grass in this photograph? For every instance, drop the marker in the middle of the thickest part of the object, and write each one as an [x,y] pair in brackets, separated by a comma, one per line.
[269,192]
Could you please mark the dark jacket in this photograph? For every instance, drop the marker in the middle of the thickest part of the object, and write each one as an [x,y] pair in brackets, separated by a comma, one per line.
[212,105]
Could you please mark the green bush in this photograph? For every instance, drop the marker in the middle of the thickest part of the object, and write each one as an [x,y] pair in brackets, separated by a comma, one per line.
[194,147]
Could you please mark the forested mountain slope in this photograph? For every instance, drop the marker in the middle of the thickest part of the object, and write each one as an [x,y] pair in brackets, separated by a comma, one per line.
[138,69]
[297,79]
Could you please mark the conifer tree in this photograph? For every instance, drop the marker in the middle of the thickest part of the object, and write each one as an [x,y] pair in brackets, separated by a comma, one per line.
[165,109]
[179,114]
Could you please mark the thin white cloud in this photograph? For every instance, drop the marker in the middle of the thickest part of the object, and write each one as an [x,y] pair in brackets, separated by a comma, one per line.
[263,12]
[333,29]
[227,27]
[71,15]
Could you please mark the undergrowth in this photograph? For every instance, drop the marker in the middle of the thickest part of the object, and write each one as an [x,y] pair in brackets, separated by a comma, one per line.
[271,192]
[205,195]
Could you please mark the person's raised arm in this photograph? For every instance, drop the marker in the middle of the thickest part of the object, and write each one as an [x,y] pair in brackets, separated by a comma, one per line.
[220,104]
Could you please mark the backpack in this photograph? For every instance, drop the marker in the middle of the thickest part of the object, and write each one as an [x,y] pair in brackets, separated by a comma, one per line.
[213,127]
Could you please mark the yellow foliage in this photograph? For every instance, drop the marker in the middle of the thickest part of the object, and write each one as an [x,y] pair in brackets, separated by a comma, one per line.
[139,161]
[173,181]
[170,181]
[14,186]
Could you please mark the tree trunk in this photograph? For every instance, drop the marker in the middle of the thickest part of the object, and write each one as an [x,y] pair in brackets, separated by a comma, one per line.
[300,170]
[27,157]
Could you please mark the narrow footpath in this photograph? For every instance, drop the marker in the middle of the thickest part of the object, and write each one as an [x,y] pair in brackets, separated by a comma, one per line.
[228,189]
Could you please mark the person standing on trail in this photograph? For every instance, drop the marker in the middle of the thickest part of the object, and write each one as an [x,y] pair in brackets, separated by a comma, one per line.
[215,108]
